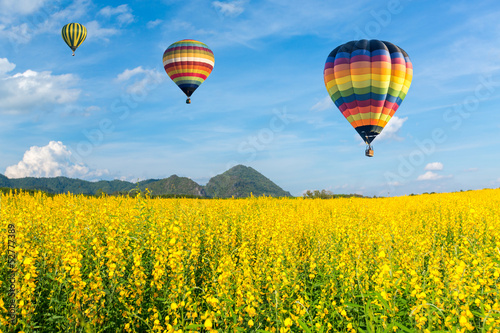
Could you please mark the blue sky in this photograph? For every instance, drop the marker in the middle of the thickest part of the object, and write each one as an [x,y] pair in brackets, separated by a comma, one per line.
[111,112]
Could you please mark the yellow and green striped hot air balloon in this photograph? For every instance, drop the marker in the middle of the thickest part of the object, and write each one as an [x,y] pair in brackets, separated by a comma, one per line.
[74,34]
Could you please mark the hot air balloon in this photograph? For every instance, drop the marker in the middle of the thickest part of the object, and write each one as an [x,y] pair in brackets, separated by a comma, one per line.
[74,34]
[188,63]
[367,80]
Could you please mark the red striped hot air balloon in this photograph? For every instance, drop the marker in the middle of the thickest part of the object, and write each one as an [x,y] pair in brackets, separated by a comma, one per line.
[367,80]
[188,63]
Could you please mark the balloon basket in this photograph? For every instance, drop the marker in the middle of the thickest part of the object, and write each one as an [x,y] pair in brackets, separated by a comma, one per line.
[188,101]
[369,151]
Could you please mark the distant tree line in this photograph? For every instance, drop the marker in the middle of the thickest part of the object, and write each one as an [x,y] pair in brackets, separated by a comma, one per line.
[135,192]
[132,193]
[324,194]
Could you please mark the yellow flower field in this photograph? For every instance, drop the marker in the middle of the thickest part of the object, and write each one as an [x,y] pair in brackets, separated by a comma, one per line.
[423,263]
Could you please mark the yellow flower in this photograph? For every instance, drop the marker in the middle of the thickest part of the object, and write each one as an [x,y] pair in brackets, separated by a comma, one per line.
[208,324]
[251,312]
[250,323]
[288,322]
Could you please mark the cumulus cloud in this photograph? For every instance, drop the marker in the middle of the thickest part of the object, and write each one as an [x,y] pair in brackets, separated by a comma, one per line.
[23,92]
[152,24]
[129,73]
[232,9]
[429,175]
[392,128]
[52,160]
[123,13]
[435,166]
[325,104]
[5,66]
[150,78]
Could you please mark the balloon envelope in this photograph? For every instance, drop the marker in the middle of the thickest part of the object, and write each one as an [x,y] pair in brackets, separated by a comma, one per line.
[74,34]
[188,63]
[367,80]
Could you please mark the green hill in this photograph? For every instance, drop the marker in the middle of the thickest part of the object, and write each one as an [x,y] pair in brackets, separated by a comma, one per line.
[65,185]
[240,181]
[175,185]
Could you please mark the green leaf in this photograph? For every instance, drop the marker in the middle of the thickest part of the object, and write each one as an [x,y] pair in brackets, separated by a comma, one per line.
[401,326]
[353,305]
[192,326]
[381,299]
[304,326]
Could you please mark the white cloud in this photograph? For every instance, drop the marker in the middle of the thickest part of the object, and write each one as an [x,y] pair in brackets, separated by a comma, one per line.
[471,170]
[128,73]
[21,34]
[123,13]
[52,160]
[48,18]
[90,110]
[20,6]
[429,175]
[150,78]
[23,92]
[232,9]
[57,18]
[5,66]
[325,104]
[268,18]
[434,166]
[392,128]
[95,30]
[152,24]
[395,183]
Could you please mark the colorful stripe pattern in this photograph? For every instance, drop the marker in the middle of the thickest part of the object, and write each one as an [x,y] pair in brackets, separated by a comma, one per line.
[188,63]
[367,80]
[74,34]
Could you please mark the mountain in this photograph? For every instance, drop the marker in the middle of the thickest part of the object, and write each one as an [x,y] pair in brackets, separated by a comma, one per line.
[240,181]
[4,181]
[176,185]
[65,185]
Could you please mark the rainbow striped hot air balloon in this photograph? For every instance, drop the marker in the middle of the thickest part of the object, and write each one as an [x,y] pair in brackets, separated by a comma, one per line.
[74,34]
[367,80]
[188,63]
